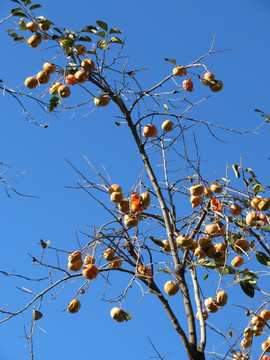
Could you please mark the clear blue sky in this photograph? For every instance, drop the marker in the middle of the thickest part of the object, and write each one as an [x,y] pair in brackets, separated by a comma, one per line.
[181,30]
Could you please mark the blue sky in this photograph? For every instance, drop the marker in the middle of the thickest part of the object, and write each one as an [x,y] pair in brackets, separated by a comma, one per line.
[154,30]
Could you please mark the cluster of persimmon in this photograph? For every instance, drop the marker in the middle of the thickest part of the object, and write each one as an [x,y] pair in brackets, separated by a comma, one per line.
[89,270]
[213,305]
[197,191]
[208,79]
[79,77]
[257,324]
[129,207]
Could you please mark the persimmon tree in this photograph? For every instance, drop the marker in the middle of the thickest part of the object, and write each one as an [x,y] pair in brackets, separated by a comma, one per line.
[223,230]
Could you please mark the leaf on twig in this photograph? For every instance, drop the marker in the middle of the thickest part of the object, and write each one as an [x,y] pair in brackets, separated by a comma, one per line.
[44,244]
[157,241]
[171,60]
[263,258]
[37,315]
[102,24]
[236,171]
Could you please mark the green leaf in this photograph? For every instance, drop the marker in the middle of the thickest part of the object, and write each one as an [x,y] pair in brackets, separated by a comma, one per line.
[205,276]
[103,25]
[115,31]
[19,14]
[68,44]
[171,60]
[59,31]
[21,38]
[228,270]
[102,45]
[15,10]
[166,271]
[101,34]
[266,227]
[33,7]
[115,40]
[157,241]
[165,107]
[43,244]
[22,25]
[117,123]
[37,315]
[258,188]
[126,315]
[55,37]
[206,263]
[249,170]
[54,101]
[85,38]
[236,171]
[90,29]
[16,1]
[27,2]
[14,35]
[247,288]
[93,52]
[263,258]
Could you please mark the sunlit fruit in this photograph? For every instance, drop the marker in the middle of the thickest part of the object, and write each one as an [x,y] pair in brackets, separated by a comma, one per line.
[200,253]
[43,77]
[179,71]
[208,79]
[31,82]
[195,201]
[221,298]
[70,80]
[248,332]
[205,242]
[44,27]
[131,220]
[265,315]
[108,254]
[221,247]
[241,246]
[235,210]
[265,357]
[211,305]
[237,261]
[266,346]
[116,262]
[257,321]
[32,26]
[89,259]
[102,100]
[171,288]
[238,356]
[75,265]
[150,131]
[34,41]
[261,221]
[80,76]
[116,197]
[90,272]
[211,252]
[246,343]
[255,203]
[167,125]
[80,49]
[117,314]
[212,230]
[188,85]
[166,246]
[251,218]
[196,190]
[217,188]
[49,67]
[184,241]
[264,204]
[144,270]
[145,199]
[218,86]
[64,91]
[53,90]
[207,192]
[204,314]
[114,188]
[75,256]
[74,306]
[124,206]
[88,65]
